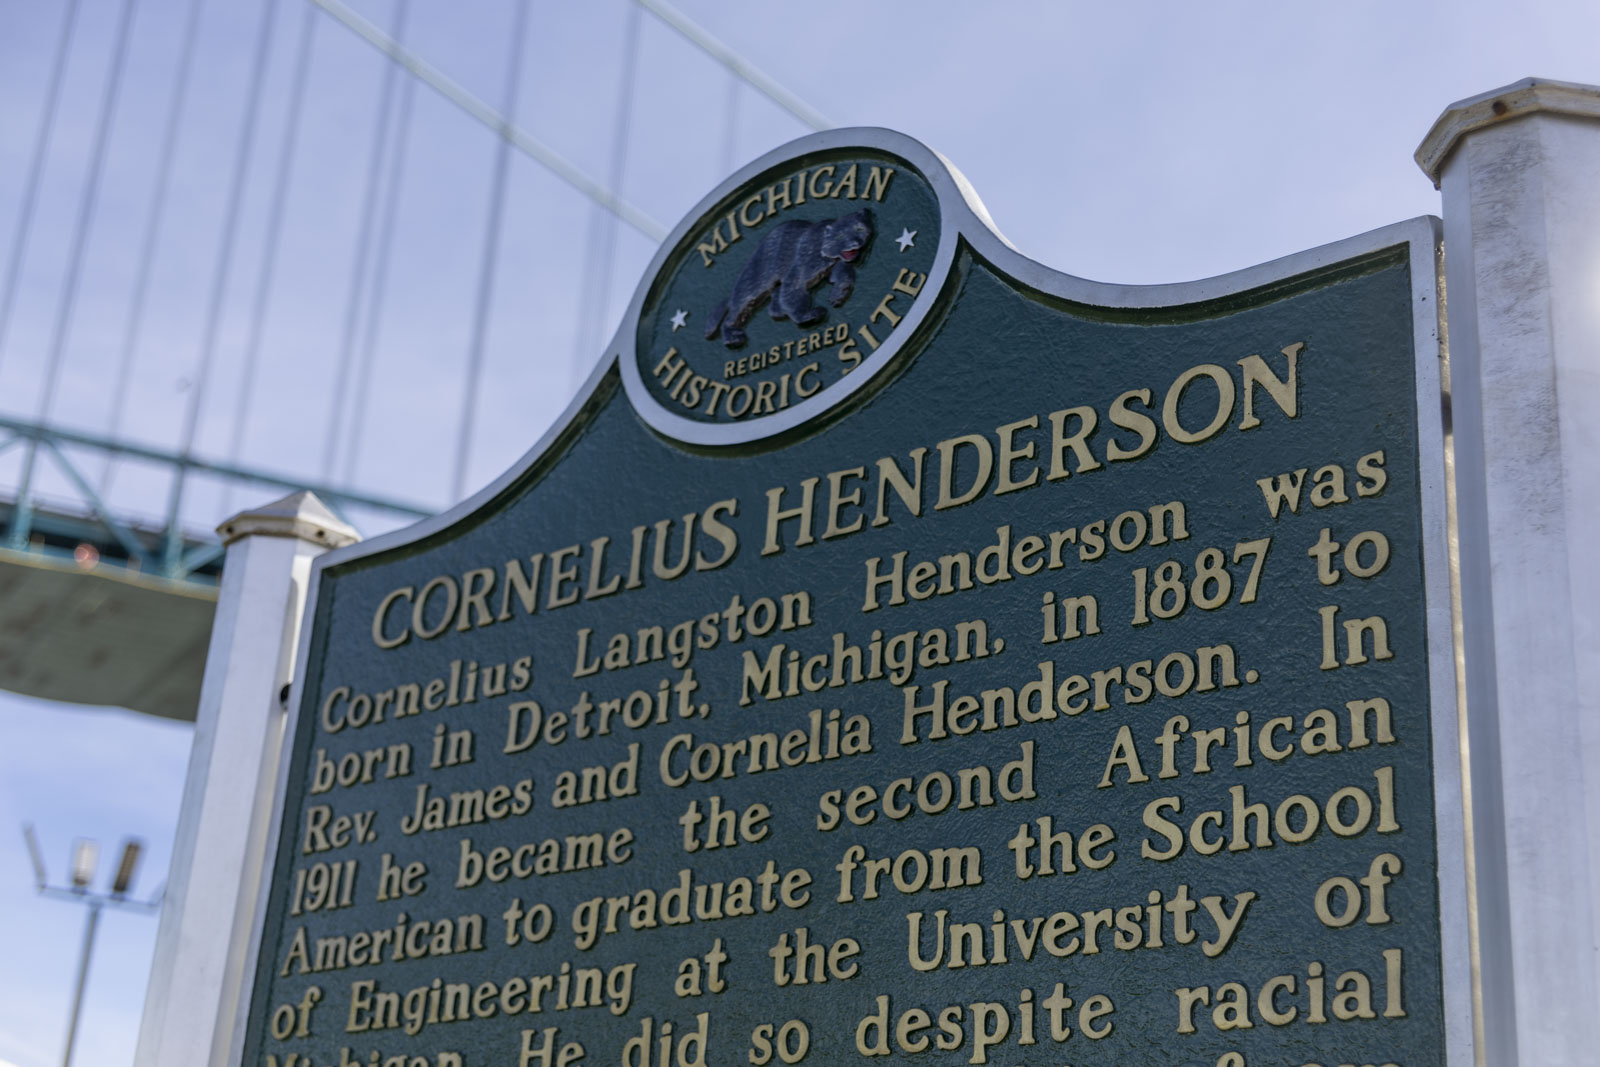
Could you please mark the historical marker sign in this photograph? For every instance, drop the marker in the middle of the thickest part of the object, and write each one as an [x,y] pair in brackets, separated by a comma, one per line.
[904,650]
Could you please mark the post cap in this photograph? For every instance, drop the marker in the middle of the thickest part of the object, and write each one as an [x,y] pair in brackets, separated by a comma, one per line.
[1526,97]
[299,515]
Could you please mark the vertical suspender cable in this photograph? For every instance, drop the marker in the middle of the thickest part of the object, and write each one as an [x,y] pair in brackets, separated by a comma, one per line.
[273,236]
[594,302]
[730,132]
[152,228]
[380,281]
[30,192]
[491,254]
[220,274]
[358,273]
[86,204]
[80,242]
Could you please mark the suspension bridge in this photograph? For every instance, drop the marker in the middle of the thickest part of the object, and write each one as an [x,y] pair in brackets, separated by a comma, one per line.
[299,244]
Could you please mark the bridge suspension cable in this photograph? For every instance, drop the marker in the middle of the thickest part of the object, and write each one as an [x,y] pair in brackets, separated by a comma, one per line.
[152,229]
[519,138]
[363,256]
[273,239]
[594,297]
[380,279]
[544,154]
[730,127]
[735,63]
[491,254]
[41,150]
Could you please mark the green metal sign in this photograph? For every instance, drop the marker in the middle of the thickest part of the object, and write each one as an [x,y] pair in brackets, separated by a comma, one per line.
[903,650]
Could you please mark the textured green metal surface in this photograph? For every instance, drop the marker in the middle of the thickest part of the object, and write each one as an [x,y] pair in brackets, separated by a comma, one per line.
[994,354]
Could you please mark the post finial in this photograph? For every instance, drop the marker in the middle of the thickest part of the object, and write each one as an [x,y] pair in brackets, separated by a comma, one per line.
[1519,99]
[300,515]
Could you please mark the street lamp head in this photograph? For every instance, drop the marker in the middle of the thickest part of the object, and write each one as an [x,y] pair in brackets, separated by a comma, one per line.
[131,848]
[85,857]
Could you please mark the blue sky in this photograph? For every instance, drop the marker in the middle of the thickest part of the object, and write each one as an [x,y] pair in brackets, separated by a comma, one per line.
[1135,142]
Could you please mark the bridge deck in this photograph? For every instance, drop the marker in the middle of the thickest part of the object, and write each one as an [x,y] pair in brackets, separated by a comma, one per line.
[102,634]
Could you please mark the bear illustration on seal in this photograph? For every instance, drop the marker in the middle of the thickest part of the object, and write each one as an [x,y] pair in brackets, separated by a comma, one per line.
[791,260]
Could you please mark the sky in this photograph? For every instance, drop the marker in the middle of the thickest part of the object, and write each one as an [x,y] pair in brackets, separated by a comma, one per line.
[1134,142]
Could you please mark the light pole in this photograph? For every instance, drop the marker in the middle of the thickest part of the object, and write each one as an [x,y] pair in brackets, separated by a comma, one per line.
[85,856]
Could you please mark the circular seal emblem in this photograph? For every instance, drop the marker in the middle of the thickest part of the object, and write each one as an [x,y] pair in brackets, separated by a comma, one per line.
[789,288]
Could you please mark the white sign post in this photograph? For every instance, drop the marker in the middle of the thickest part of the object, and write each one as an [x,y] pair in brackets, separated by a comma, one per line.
[228,799]
[1519,169]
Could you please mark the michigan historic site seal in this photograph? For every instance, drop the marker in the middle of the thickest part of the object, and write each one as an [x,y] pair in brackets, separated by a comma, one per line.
[791,286]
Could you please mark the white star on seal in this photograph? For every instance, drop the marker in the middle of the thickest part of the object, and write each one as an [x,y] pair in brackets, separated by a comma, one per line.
[907,239]
[680,320]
